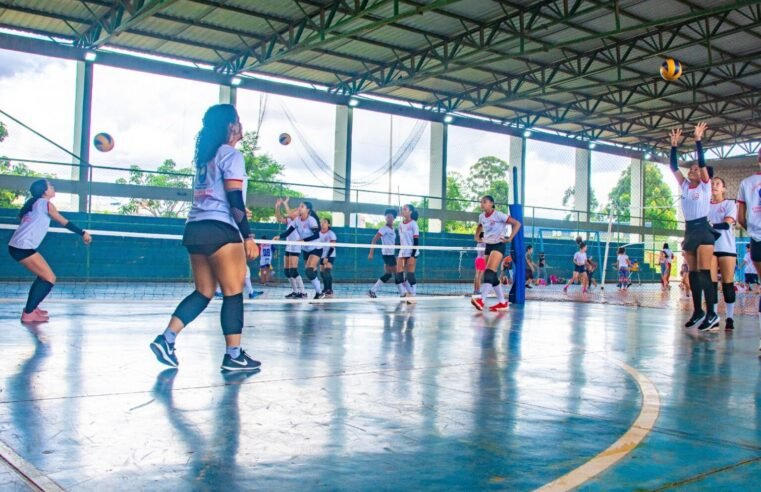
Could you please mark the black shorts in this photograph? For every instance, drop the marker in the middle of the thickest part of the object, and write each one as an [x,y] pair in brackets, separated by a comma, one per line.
[751,278]
[755,250]
[19,254]
[699,233]
[315,252]
[499,247]
[580,268]
[721,254]
[205,237]
[389,260]
[289,254]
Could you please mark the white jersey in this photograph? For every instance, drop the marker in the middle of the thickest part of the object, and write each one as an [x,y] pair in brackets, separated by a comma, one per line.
[580,258]
[209,195]
[408,231]
[623,261]
[306,228]
[720,211]
[669,255]
[750,195]
[388,238]
[748,263]
[294,236]
[493,226]
[265,255]
[33,228]
[326,237]
[696,201]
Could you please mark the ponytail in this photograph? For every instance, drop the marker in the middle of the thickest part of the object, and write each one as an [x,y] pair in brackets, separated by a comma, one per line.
[413,211]
[312,213]
[37,189]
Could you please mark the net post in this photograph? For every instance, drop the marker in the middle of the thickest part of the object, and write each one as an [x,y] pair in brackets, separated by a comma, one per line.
[518,290]
[607,249]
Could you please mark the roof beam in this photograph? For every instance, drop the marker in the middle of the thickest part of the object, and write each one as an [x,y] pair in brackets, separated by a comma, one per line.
[114,22]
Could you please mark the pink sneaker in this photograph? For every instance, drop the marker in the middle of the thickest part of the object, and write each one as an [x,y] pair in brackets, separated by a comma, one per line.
[502,306]
[33,317]
[583,291]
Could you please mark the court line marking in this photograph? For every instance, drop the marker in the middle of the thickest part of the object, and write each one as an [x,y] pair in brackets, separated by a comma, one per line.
[28,472]
[267,301]
[640,428]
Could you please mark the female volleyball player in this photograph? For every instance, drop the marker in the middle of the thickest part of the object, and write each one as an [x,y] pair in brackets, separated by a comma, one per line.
[216,227]
[623,263]
[579,267]
[409,234]
[328,257]
[699,237]
[749,216]
[666,259]
[493,223]
[292,251]
[723,215]
[307,225]
[387,236]
[35,217]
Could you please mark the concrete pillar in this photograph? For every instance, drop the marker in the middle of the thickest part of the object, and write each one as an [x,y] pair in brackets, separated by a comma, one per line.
[342,161]
[636,211]
[518,161]
[437,179]
[228,95]
[82,120]
[581,197]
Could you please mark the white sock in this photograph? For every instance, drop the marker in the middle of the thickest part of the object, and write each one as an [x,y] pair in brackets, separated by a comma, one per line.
[401,288]
[414,289]
[316,284]
[292,282]
[485,290]
[377,285]
[408,286]
[249,287]
[730,310]
[500,293]
[300,284]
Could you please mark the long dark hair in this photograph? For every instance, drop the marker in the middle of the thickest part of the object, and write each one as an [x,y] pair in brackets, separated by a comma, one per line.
[37,189]
[214,132]
[413,211]
[310,207]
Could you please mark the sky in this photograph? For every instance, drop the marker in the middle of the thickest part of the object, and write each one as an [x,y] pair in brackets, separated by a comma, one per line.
[153,118]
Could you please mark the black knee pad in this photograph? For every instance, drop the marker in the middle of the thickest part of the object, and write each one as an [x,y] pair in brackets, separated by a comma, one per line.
[311,273]
[191,307]
[411,278]
[287,272]
[232,314]
[399,277]
[729,292]
[385,277]
[490,277]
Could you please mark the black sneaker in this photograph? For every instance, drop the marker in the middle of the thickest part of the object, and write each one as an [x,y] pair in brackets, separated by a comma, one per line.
[319,295]
[695,319]
[372,294]
[711,321]
[729,325]
[293,295]
[303,295]
[241,363]
[329,293]
[164,351]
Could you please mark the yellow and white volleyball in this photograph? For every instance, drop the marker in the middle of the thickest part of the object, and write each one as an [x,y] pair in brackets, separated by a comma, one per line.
[103,142]
[671,70]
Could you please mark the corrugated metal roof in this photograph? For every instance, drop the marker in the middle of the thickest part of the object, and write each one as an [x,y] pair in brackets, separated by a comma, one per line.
[471,53]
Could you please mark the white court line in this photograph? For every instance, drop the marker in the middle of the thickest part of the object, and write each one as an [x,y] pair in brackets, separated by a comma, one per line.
[640,428]
[31,475]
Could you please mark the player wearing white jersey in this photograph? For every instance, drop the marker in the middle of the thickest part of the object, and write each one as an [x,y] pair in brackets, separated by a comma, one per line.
[665,260]
[328,257]
[292,251]
[722,217]
[579,267]
[491,230]
[387,236]
[217,225]
[699,237]
[749,217]
[307,224]
[409,235]
[35,217]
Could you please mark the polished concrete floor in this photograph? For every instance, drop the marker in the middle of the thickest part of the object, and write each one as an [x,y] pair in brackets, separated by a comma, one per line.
[378,396]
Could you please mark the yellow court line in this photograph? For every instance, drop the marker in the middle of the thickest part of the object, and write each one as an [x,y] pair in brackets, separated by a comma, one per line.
[643,424]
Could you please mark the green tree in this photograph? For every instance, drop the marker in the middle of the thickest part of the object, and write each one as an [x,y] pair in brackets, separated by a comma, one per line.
[11,198]
[569,201]
[171,177]
[489,176]
[264,174]
[458,201]
[658,199]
